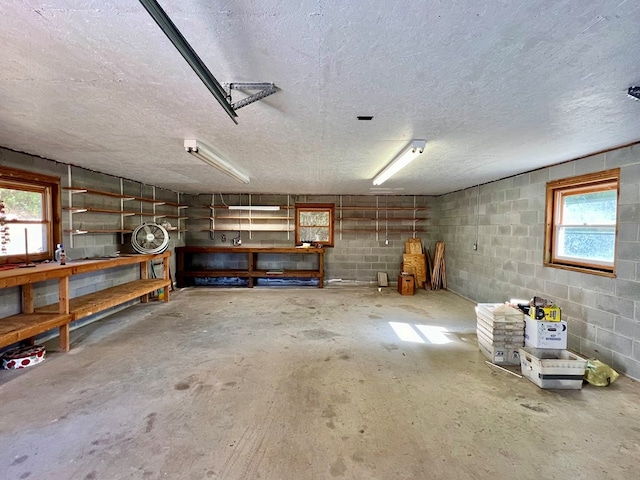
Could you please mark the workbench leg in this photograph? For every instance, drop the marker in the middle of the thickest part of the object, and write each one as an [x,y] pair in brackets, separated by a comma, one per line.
[63,295]
[65,345]
[27,307]
[144,274]
[27,298]
[166,276]
[63,307]
[321,269]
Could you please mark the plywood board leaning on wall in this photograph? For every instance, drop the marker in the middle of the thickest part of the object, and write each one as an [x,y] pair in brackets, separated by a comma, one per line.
[413,245]
[414,264]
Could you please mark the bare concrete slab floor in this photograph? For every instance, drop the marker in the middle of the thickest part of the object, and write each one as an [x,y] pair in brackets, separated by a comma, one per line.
[343,382]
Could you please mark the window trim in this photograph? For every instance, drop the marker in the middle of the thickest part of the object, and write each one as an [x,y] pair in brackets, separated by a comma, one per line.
[588,182]
[53,211]
[316,207]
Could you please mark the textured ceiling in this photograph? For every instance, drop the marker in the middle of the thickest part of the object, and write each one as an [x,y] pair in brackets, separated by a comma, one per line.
[496,88]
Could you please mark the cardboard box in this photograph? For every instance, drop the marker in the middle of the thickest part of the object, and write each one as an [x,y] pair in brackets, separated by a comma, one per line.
[552,368]
[542,334]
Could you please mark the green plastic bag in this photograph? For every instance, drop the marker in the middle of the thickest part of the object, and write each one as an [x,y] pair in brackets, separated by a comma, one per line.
[599,374]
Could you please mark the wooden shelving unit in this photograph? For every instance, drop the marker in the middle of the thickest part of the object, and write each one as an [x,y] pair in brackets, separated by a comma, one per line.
[377,219]
[168,210]
[222,219]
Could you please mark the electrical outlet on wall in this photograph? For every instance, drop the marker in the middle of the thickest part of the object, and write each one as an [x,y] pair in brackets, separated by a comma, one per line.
[475,246]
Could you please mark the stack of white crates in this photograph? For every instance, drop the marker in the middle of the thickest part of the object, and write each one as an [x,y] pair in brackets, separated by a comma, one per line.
[544,359]
[500,330]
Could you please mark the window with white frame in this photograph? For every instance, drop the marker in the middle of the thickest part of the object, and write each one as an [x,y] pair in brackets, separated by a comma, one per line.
[29,216]
[581,222]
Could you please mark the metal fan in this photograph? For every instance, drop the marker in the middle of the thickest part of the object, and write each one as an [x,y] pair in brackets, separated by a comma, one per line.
[150,238]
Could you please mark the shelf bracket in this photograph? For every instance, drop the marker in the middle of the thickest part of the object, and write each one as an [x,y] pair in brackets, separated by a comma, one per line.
[265,89]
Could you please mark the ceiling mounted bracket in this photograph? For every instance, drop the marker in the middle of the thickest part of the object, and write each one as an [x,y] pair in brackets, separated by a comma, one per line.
[266,89]
[634,92]
[188,53]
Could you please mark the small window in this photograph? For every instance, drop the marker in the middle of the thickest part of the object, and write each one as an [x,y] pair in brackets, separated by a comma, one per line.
[314,223]
[581,222]
[29,207]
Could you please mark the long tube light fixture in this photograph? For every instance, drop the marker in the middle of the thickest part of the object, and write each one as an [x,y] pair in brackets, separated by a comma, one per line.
[189,54]
[403,159]
[264,208]
[203,153]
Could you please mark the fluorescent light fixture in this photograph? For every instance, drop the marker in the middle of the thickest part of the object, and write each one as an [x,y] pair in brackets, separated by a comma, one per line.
[403,159]
[264,208]
[200,151]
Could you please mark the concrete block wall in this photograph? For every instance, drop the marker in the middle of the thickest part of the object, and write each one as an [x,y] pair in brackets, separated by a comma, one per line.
[507,219]
[356,256]
[87,245]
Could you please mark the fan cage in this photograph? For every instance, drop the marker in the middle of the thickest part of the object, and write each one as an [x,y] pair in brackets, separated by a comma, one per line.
[150,238]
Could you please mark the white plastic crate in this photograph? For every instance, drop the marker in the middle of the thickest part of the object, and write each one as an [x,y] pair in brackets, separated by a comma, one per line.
[552,368]
[513,334]
[506,353]
[499,315]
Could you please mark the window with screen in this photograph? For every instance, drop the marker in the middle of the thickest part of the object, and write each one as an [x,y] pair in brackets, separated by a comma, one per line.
[29,216]
[581,222]
[314,224]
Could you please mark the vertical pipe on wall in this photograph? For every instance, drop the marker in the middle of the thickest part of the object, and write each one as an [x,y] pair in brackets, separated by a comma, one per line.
[377,219]
[340,217]
[414,216]
[250,219]
[212,212]
[70,198]
[121,214]
[475,245]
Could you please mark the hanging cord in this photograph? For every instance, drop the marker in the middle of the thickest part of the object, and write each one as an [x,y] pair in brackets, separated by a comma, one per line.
[477,216]
[153,269]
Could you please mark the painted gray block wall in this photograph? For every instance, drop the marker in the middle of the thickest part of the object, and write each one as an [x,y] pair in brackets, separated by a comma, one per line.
[86,245]
[356,256]
[507,216]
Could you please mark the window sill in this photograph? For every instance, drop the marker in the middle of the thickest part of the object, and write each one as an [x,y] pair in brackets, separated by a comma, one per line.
[581,269]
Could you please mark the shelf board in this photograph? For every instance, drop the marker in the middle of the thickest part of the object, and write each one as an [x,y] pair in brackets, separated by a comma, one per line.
[222,219]
[383,219]
[373,209]
[91,191]
[382,230]
[225,207]
[83,232]
[99,210]
[214,273]
[253,230]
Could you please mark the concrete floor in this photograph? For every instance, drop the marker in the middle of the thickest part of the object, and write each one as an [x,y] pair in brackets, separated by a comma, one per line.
[302,384]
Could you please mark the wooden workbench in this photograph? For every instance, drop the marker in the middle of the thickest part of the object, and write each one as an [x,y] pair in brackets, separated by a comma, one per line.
[33,321]
[251,272]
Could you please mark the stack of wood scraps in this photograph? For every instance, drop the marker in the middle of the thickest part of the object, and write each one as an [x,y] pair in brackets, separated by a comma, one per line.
[413,261]
[439,274]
